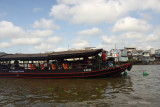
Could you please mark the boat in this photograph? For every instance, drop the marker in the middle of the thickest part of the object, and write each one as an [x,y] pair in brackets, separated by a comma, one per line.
[64,64]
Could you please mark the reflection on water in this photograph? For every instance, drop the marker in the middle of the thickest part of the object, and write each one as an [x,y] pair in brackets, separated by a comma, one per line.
[31,91]
[131,90]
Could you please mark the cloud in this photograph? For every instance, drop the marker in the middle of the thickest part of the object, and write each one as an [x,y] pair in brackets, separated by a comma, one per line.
[60,49]
[7,29]
[40,33]
[89,12]
[60,11]
[92,31]
[99,11]
[26,41]
[137,39]
[54,39]
[12,35]
[43,47]
[4,45]
[131,24]
[80,43]
[45,24]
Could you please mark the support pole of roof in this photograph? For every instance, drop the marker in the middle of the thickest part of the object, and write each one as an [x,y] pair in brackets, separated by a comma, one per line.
[47,64]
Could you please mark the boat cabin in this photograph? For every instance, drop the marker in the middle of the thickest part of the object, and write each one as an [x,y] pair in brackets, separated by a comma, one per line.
[77,59]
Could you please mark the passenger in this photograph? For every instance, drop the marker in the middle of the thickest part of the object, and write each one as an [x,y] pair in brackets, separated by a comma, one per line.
[85,60]
[64,65]
[45,65]
[97,61]
[52,66]
[110,64]
[16,64]
[42,67]
[103,59]
[32,66]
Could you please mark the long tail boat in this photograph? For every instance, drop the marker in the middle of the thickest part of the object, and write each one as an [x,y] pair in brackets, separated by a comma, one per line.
[65,64]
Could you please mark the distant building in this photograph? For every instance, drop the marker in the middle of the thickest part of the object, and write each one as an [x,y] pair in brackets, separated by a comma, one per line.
[147,57]
[139,55]
[114,54]
[123,55]
[130,51]
[157,55]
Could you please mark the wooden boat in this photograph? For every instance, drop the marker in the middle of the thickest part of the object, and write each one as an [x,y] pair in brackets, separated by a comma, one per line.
[66,64]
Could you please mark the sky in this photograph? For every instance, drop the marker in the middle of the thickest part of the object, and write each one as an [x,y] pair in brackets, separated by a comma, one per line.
[33,26]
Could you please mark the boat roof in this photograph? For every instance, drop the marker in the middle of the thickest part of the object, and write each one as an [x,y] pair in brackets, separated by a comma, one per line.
[53,55]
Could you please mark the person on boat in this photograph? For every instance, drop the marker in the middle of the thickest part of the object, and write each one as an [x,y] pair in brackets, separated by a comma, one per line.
[97,61]
[52,65]
[103,59]
[45,65]
[65,65]
[85,61]
[16,64]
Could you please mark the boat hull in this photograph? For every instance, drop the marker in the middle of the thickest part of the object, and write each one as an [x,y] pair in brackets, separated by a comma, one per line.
[77,73]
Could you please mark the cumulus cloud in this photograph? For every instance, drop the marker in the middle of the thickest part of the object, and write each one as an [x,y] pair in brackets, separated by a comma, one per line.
[88,11]
[46,24]
[80,43]
[26,41]
[131,24]
[92,31]
[7,29]
[40,33]
[136,39]
[99,11]
[43,47]
[4,45]
[60,49]
[12,35]
[54,39]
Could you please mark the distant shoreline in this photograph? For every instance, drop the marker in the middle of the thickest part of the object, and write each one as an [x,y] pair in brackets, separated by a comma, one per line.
[146,63]
[139,63]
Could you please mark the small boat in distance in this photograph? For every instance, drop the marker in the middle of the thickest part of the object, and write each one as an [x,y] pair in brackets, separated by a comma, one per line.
[66,64]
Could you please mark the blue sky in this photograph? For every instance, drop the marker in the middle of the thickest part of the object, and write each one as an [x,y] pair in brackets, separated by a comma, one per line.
[31,26]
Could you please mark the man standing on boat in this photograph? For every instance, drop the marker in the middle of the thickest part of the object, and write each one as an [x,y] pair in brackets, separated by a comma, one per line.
[103,59]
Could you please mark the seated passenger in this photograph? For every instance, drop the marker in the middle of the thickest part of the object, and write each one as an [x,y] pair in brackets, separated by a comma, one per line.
[42,67]
[52,67]
[65,66]
[85,60]
[32,66]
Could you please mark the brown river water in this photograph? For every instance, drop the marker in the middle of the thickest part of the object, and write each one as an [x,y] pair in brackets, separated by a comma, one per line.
[134,90]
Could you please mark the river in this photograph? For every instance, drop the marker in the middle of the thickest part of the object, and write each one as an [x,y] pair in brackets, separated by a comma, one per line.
[133,90]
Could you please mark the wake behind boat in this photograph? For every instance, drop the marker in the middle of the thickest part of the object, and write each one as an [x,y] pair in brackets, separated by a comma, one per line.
[66,64]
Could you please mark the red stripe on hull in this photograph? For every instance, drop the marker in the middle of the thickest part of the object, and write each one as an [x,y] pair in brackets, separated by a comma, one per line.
[106,72]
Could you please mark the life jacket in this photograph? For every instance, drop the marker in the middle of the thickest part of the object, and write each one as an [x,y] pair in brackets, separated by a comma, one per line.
[65,66]
[32,66]
[42,67]
[53,66]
